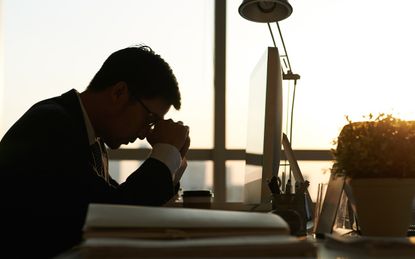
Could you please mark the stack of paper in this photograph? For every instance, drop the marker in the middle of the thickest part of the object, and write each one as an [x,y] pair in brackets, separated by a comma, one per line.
[118,231]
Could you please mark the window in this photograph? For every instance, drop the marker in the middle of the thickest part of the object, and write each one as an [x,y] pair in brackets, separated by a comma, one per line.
[352,61]
[53,46]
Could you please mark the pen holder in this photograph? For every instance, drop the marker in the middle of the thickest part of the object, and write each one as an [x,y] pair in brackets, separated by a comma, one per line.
[291,207]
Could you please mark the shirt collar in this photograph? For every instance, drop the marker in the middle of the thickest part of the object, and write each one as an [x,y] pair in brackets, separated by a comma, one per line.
[92,138]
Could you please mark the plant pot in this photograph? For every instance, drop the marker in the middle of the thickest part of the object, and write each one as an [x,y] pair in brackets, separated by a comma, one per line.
[383,205]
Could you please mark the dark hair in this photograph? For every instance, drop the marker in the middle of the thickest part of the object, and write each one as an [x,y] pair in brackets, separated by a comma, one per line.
[146,74]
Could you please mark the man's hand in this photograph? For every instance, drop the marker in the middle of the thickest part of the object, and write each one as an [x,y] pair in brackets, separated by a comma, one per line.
[170,132]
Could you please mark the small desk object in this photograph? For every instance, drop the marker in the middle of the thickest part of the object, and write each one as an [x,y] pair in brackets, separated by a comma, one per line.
[325,219]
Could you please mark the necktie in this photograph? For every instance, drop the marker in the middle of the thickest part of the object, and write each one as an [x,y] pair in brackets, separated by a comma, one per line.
[100,159]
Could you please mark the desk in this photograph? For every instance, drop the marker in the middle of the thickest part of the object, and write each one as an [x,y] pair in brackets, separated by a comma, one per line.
[162,248]
[323,252]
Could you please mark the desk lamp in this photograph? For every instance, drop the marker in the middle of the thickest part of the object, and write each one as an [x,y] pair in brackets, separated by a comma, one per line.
[267,11]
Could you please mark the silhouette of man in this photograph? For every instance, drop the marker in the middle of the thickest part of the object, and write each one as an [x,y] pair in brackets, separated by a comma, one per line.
[53,160]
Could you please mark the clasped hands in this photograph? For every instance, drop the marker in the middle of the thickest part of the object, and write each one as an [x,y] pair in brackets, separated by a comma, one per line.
[170,132]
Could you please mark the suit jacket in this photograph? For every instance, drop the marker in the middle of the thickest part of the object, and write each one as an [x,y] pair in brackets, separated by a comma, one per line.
[48,179]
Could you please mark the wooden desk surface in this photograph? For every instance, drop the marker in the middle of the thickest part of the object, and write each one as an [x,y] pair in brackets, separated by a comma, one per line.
[323,252]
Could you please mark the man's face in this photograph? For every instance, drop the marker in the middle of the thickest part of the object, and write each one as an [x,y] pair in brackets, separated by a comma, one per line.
[133,120]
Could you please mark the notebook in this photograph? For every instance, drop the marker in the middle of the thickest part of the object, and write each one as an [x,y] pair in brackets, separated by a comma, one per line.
[122,231]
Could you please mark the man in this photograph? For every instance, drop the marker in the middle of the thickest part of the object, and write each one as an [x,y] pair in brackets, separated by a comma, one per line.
[53,160]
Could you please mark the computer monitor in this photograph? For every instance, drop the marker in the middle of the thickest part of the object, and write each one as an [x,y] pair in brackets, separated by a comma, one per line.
[264,131]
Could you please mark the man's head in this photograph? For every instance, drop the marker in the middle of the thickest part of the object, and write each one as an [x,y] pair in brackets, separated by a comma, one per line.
[133,90]
[146,74]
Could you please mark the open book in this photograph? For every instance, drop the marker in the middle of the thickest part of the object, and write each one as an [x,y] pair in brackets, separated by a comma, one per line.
[122,230]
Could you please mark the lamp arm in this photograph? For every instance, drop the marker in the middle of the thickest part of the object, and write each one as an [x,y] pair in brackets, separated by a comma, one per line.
[289,75]
[272,35]
[285,49]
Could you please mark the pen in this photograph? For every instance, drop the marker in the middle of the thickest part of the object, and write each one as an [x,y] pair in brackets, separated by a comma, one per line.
[288,187]
[283,181]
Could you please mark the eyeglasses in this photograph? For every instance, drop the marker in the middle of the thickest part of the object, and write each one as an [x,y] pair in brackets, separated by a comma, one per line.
[152,118]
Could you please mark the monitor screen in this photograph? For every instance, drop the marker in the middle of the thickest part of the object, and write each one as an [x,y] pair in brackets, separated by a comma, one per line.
[264,129]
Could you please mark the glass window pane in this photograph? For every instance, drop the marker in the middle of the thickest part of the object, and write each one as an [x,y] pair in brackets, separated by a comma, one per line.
[52,46]
[198,176]
[315,172]
[246,42]
[121,169]
[235,180]
[348,65]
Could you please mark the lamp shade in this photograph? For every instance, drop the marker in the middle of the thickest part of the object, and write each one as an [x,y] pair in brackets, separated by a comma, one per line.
[265,10]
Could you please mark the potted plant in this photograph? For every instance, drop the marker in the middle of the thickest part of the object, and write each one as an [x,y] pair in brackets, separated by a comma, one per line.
[377,157]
